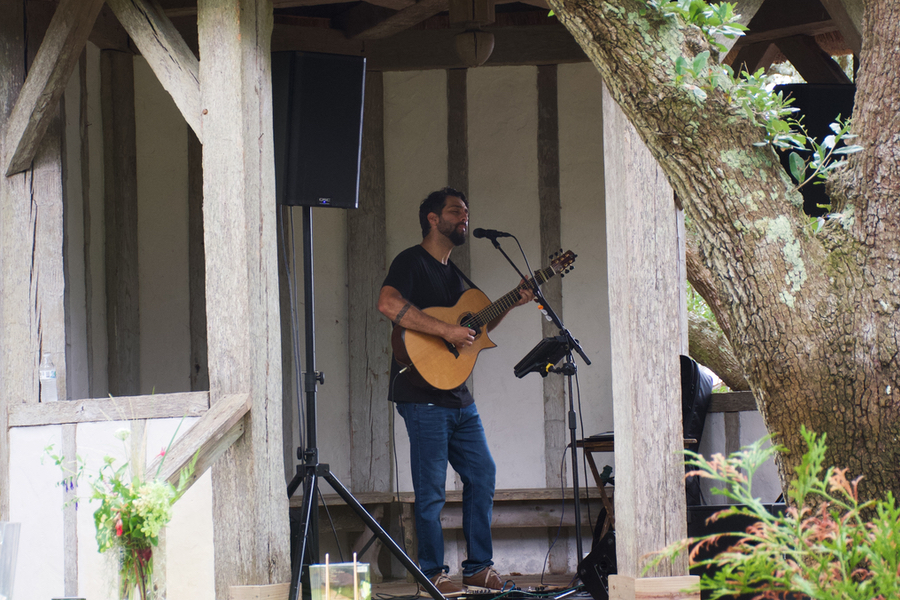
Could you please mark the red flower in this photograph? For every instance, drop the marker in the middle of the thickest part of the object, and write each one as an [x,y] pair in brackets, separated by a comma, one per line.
[119,527]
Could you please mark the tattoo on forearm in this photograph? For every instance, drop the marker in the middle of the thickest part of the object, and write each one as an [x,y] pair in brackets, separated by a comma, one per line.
[402,312]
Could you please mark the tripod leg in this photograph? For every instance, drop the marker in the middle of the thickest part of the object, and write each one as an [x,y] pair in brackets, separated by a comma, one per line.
[388,541]
[309,496]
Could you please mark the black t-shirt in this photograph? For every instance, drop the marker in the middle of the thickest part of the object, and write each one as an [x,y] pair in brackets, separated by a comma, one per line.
[425,282]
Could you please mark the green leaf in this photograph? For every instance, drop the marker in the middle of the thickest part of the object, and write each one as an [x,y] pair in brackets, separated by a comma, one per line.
[700,61]
[848,150]
[798,167]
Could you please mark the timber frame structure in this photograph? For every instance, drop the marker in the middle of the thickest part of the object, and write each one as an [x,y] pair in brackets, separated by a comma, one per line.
[224,96]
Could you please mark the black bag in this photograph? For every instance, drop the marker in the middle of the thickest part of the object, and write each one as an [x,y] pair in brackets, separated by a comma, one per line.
[696,396]
[594,570]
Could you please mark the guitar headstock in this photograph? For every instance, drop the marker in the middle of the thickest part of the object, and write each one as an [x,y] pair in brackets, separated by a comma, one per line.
[561,262]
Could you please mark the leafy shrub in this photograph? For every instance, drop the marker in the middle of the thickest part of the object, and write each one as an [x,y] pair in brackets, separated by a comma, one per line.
[822,547]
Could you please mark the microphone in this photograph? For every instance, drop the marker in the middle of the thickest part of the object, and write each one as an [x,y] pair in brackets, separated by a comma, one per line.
[491,234]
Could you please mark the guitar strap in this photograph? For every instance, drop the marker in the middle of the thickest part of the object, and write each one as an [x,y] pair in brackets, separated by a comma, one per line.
[463,275]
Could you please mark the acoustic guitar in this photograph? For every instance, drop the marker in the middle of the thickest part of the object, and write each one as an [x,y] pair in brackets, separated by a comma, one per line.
[435,361]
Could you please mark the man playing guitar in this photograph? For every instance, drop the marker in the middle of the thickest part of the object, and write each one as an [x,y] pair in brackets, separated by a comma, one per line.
[443,424]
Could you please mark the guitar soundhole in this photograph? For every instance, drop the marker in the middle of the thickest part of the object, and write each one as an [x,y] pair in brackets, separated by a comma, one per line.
[467,321]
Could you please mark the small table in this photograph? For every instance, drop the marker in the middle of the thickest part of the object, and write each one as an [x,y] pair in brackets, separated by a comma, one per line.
[605,443]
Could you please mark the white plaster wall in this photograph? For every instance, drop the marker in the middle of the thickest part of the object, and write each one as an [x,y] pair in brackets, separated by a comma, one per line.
[329,232]
[502,108]
[415,156]
[36,502]
[162,236]
[585,297]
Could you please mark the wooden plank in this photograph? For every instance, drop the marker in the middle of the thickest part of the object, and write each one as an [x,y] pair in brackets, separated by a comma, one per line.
[685,587]
[814,64]
[121,220]
[251,531]
[420,49]
[400,21]
[207,439]
[848,16]
[38,100]
[369,346]
[733,402]
[159,406]
[278,591]
[196,267]
[85,160]
[174,64]
[642,259]
[455,496]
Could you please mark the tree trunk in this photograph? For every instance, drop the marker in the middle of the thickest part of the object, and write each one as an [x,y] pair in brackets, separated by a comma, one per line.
[812,318]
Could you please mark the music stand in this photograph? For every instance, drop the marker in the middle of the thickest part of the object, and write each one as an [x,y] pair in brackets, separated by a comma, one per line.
[542,357]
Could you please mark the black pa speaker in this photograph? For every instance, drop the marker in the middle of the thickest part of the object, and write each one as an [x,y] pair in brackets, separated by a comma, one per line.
[317,106]
[819,105]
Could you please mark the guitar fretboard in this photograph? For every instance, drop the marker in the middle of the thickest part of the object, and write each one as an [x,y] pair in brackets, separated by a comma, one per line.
[507,301]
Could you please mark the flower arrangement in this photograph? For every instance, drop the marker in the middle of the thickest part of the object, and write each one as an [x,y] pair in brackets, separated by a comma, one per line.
[827,545]
[133,509]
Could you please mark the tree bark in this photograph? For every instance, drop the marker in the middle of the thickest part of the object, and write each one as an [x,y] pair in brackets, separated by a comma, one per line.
[813,318]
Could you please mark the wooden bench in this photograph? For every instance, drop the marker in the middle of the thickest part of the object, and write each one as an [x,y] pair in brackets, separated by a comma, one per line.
[527,508]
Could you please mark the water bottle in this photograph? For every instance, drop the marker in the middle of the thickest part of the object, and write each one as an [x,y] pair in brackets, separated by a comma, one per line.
[48,379]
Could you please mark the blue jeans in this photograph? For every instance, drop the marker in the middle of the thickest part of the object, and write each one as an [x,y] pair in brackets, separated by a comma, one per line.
[437,436]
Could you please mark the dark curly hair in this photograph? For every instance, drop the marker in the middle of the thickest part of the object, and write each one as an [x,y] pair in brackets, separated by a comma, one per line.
[434,203]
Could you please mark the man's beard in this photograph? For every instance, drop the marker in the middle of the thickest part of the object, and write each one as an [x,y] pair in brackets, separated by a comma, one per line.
[452,233]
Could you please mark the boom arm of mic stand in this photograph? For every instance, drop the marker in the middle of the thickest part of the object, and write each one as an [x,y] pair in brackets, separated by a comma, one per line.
[573,343]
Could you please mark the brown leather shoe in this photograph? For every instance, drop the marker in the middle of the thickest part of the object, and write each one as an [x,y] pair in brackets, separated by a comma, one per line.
[446,586]
[487,578]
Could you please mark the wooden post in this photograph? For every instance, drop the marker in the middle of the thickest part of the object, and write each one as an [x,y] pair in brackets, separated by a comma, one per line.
[31,268]
[556,434]
[243,326]
[370,451]
[121,218]
[645,320]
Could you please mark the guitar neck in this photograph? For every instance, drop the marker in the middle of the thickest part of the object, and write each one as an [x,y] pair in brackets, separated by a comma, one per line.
[508,300]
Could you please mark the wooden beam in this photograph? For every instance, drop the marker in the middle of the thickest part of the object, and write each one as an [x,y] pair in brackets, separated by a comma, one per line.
[776,33]
[753,57]
[399,21]
[39,97]
[251,531]
[813,63]
[555,432]
[642,258]
[108,33]
[370,433]
[176,67]
[121,221]
[435,49]
[125,408]
[746,9]
[848,15]
[207,439]
[733,402]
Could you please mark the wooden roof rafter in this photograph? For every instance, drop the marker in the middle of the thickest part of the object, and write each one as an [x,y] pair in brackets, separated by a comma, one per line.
[40,94]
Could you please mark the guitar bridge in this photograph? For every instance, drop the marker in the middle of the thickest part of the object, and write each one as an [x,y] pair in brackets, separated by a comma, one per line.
[452,349]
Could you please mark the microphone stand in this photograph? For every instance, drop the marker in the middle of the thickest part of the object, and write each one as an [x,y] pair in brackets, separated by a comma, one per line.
[568,369]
